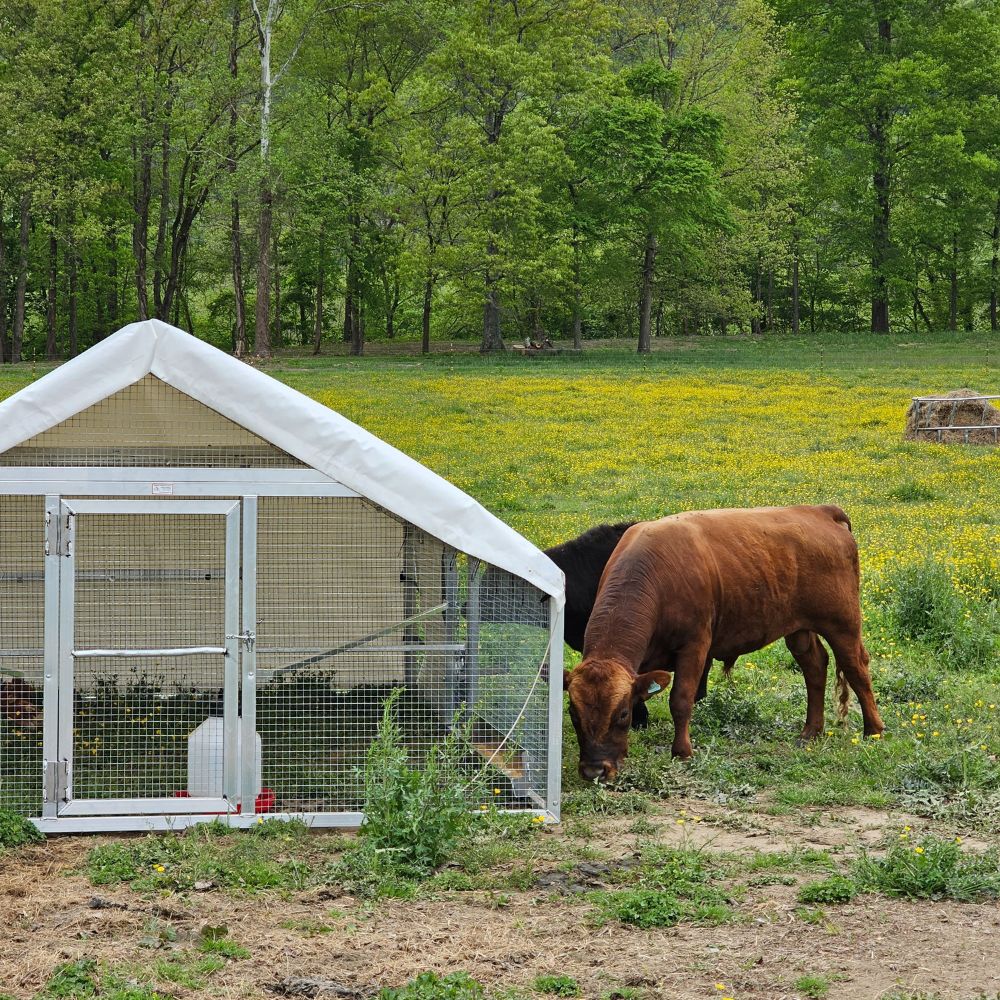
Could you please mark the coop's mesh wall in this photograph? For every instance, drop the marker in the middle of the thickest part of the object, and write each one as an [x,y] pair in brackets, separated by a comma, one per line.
[354,604]
[22,630]
[149,423]
[144,582]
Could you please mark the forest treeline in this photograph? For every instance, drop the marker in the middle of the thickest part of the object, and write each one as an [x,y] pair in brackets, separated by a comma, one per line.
[293,171]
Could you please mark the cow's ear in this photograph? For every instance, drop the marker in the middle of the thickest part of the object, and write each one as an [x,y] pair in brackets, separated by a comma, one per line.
[648,684]
[567,677]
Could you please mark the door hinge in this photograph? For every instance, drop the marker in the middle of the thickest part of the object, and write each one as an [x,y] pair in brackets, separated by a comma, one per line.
[56,780]
[58,534]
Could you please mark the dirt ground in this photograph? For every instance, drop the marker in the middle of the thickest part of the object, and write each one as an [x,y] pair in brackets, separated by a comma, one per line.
[323,943]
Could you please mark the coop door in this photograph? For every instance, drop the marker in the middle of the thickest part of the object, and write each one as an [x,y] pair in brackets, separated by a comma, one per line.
[149,650]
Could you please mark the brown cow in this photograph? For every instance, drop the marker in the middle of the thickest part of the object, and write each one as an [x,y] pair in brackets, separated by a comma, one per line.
[715,584]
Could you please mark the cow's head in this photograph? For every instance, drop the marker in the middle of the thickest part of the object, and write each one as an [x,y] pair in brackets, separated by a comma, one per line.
[602,694]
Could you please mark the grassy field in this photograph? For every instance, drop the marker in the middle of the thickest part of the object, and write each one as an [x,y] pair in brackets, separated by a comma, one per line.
[718,877]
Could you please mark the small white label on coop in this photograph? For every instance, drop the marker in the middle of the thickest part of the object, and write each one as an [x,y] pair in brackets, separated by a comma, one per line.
[162,489]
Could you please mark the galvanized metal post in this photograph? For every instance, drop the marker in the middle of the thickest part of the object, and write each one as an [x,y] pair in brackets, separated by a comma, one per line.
[248,660]
[553,792]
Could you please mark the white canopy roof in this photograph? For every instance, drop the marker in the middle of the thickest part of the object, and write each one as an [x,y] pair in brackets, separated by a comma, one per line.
[309,431]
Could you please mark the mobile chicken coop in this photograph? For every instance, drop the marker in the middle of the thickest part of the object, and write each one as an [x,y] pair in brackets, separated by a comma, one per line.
[210,584]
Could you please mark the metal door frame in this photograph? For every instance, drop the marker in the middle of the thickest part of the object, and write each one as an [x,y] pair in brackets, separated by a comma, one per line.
[60,657]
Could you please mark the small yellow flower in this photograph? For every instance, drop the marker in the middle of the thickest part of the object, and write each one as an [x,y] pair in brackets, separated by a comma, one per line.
[159,868]
[496,791]
[855,740]
[483,807]
[680,822]
[720,986]
[958,840]
[918,850]
[876,736]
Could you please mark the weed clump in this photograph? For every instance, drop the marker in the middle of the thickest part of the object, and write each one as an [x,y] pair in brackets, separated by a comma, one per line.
[16,831]
[559,986]
[431,986]
[835,889]
[413,815]
[931,869]
[925,606]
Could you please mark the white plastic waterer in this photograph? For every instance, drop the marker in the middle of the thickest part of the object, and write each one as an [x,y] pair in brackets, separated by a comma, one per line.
[205,761]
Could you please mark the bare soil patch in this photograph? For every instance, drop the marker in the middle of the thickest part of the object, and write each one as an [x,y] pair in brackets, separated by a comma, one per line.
[321,941]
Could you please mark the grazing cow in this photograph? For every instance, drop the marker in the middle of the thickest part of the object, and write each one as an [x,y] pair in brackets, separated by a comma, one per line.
[689,588]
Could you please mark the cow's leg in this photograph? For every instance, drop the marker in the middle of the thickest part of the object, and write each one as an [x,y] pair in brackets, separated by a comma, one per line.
[689,669]
[852,661]
[703,683]
[811,656]
[640,715]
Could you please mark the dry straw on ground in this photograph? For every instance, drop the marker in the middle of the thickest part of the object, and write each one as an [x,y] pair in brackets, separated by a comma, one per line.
[972,412]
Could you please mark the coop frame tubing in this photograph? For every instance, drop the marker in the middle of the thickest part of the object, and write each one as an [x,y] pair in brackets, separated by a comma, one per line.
[248,660]
[553,789]
[95,480]
[58,746]
[164,823]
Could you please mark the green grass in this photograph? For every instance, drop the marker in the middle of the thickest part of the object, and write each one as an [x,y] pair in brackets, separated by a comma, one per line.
[430,986]
[815,987]
[16,831]
[556,444]
[558,986]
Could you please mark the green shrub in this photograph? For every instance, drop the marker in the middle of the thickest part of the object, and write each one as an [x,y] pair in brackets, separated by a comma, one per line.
[560,986]
[835,889]
[15,830]
[931,869]
[73,979]
[430,986]
[902,683]
[925,606]
[661,908]
[413,815]
[815,987]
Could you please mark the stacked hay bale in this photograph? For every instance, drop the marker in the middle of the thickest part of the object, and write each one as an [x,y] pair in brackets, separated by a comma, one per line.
[958,408]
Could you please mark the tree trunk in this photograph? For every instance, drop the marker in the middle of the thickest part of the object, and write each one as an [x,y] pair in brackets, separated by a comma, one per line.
[112,284]
[425,319]
[358,329]
[756,320]
[770,299]
[235,234]
[349,302]
[159,306]
[577,293]
[881,240]
[140,228]
[795,289]
[51,347]
[17,334]
[995,269]
[812,297]
[4,341]
[318,328]
[646,293]
[262,338]
[492,339]
[953,285]
[276,334]
[73,330]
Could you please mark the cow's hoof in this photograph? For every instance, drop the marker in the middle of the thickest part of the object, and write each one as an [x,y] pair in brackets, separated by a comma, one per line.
[640,716]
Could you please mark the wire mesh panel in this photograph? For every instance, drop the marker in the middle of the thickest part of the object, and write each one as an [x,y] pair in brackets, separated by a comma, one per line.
[149,423]
[149,595]
[354,603]
[22,637]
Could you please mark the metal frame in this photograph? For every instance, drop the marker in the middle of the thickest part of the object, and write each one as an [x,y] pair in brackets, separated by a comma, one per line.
[136,487]
[939,430]
[58,746]
[151,481]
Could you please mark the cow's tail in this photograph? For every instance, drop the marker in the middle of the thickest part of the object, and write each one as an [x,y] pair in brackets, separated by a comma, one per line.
[843,694]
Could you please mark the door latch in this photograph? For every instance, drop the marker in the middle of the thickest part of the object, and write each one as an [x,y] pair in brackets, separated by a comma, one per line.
[248,639]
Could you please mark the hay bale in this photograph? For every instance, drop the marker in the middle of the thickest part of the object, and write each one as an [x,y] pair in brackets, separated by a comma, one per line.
[977,413]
